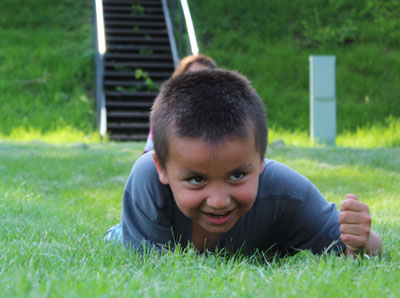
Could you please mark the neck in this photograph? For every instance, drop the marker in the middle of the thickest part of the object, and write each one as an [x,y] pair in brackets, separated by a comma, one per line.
[202,239]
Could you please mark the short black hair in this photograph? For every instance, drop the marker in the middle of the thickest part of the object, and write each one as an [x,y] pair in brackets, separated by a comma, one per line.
[213,104]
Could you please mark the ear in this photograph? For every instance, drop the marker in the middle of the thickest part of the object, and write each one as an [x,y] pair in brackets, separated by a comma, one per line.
[261,167]
[162,174]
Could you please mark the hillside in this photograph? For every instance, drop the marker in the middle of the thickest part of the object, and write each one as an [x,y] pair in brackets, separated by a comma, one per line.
[270,42]
[46,68]
[46,61]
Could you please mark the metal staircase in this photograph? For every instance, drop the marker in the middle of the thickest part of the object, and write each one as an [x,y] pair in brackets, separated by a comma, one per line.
[137,61]
[135,53]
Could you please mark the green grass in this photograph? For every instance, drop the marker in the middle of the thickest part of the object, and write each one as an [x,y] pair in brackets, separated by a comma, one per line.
[56,201]
[47,64]
[371,136]
[46,67]
[271,41]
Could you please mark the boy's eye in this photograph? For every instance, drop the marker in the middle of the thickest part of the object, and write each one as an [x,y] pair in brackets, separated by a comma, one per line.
[196,180]
[237,176]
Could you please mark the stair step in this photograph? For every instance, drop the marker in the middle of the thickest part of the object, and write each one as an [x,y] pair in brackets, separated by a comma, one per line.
[128,137]
[128,125]
[131,9]
[154,65]
[124,40]
[119,16]
[128,83]
[132,24]
[132,2]
[128,48]
[152,74]
[164,58]
[135,104]
[128,114]
[116,32]
[139,94]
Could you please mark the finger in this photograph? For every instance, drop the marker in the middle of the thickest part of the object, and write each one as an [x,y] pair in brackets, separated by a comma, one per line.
[354,205]
[354,229]
[354,242]
[351,217]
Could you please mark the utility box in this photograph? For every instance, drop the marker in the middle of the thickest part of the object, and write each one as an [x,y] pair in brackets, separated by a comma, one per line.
[323,99]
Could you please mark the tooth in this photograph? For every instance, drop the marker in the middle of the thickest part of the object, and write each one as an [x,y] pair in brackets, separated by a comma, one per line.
[218,214]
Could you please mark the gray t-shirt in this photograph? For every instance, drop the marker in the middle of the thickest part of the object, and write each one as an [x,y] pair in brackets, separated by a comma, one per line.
[288,215]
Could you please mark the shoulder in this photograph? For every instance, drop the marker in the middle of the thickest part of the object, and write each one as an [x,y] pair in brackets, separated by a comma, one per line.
[145,166]
[279,180]
[147,207]
[143,184]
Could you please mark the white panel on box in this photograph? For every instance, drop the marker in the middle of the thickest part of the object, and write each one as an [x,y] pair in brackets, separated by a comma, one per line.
[323,99]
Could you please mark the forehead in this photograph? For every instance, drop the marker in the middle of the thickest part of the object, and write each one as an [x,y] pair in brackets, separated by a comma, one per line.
[198,153]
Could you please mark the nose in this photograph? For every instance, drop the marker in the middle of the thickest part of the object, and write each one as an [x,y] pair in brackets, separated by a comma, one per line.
[219,198]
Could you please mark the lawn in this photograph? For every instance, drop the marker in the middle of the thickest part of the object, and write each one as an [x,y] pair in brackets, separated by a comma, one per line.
[57,200]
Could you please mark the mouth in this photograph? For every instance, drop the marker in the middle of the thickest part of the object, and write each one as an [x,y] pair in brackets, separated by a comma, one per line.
[218,218]
[218,215]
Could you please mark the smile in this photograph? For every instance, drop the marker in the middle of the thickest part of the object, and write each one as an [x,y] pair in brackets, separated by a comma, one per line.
[218,218]
[218,215]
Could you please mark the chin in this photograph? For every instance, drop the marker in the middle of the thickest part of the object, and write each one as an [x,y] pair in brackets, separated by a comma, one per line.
[218,229]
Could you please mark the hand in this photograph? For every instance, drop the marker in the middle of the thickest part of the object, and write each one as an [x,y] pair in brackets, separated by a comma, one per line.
[355,224]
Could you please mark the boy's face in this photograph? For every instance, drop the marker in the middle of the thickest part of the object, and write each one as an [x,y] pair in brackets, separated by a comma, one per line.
[214,185]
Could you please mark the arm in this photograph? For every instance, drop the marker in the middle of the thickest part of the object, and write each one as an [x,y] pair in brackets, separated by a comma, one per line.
[355,228]
[145,212]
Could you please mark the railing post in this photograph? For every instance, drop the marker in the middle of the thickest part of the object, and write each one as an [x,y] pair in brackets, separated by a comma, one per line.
[180,32]
[170,32]
[190,28]
[323,99]
[184,16]
[100,49]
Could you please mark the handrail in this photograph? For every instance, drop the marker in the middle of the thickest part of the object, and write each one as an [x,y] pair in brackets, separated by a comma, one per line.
[100,44]
[190,28]
[182,16]
[170,33]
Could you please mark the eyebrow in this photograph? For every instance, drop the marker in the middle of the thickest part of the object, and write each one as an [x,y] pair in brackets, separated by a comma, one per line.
[243,168]
[189,173]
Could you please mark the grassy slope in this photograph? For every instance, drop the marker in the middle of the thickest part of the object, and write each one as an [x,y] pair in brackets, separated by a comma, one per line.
[270,41]
[46,64]
[56,201]
[46,67]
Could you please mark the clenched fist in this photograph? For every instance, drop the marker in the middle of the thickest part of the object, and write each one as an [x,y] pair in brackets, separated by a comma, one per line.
[355,224]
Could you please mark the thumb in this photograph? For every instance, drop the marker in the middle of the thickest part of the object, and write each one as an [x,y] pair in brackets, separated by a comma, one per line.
[350,196]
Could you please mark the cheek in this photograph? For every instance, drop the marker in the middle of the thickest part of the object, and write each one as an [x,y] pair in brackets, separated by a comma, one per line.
[246,194]
[187,199]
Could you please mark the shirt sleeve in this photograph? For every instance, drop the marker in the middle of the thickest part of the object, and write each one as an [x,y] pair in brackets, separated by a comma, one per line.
[315,224]
[146,215]
[300,216]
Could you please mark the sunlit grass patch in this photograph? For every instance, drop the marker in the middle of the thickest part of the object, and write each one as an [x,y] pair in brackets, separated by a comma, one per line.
[373,136]
[279,137]
[59,135]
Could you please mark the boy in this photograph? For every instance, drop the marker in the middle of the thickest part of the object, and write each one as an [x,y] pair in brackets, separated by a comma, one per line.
[207,181]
